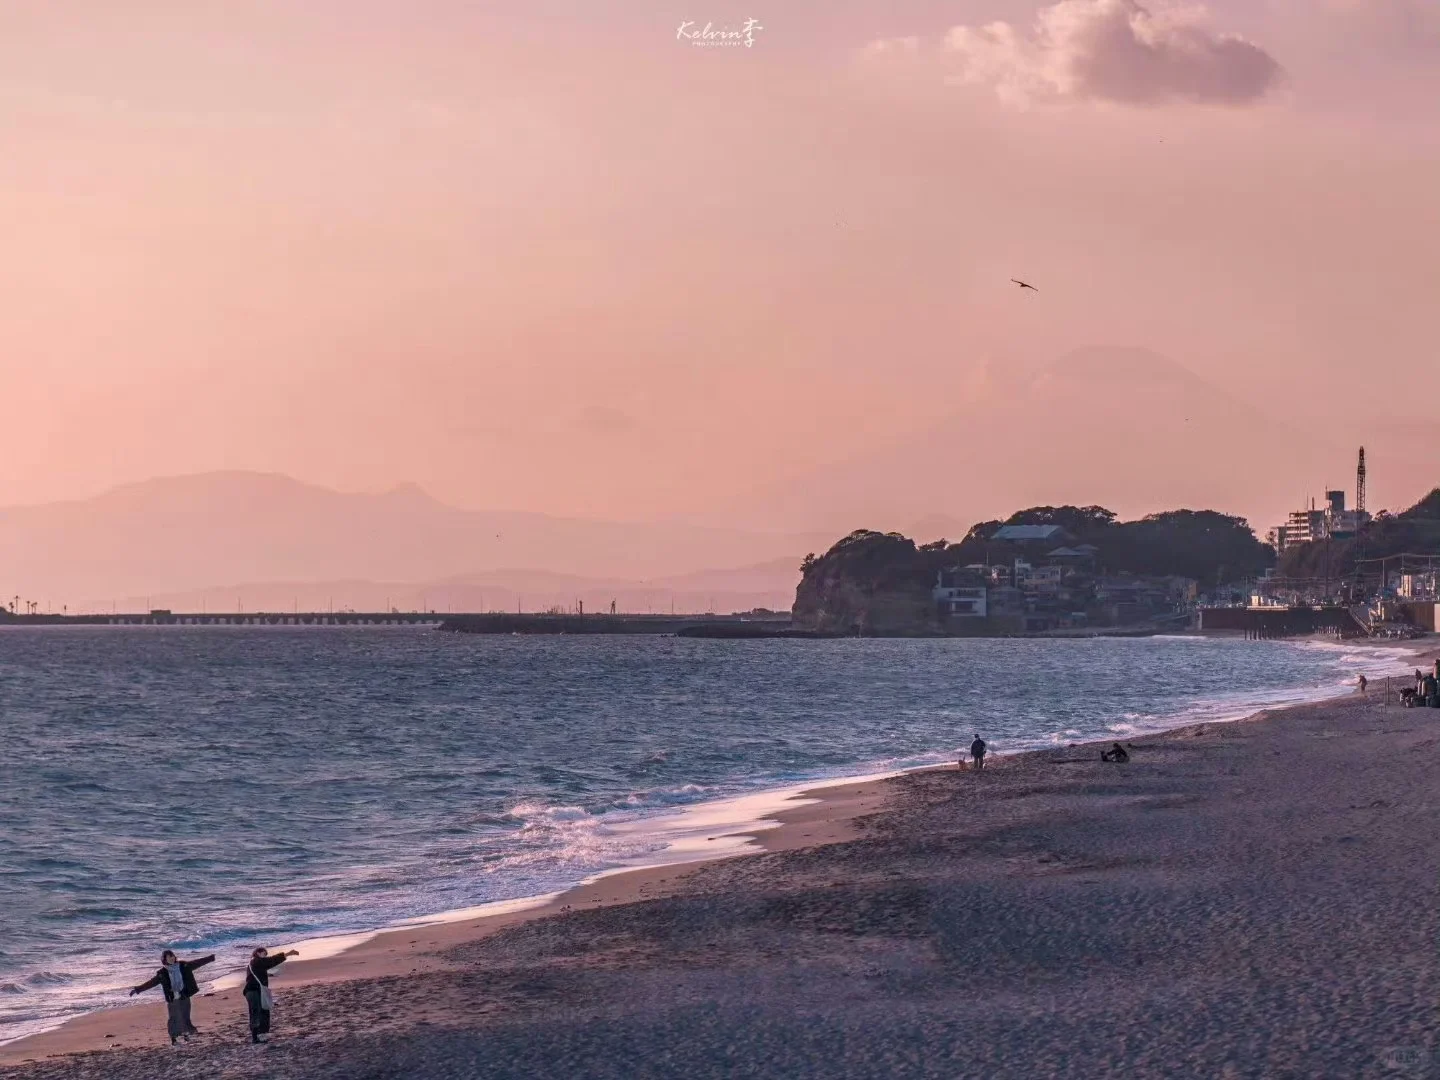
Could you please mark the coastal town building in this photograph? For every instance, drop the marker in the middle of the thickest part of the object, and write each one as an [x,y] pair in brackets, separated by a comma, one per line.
[1031,534]
[1330,522]
[1054,593]
[960,594]
[1419,586]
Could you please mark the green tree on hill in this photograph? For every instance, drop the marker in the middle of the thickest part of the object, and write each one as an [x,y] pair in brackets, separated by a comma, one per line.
[881,582]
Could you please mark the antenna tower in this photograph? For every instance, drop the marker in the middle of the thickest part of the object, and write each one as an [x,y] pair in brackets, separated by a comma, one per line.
[1360,483]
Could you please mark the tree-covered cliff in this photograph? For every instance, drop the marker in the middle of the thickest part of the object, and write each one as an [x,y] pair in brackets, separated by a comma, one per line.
[880,583]
[870,583]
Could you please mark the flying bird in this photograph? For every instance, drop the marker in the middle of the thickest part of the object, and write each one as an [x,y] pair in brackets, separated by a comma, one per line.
[1024,284]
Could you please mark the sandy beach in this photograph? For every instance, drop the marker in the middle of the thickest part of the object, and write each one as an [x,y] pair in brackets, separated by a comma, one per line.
[1251,899]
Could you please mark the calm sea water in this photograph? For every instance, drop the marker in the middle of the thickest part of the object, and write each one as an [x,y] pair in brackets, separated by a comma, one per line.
[209,788]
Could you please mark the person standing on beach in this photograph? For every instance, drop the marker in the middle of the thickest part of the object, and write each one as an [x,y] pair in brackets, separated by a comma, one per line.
[1364,682]
[257,990]
[176,978]
[977,751]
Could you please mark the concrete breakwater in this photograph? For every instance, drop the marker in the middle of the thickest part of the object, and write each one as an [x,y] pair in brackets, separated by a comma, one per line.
[1279,622]
[257,618]
[496,623]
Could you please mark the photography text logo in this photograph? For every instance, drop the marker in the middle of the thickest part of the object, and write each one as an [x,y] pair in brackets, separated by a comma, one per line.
[711,36]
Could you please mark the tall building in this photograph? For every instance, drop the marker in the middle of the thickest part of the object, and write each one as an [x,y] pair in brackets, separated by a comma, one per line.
[1334,521]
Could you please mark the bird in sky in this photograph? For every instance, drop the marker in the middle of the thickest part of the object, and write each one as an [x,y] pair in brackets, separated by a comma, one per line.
[1024,284]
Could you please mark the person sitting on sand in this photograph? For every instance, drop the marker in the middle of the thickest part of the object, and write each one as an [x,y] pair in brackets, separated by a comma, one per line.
[257,990]
[176,978]
[977,751]
[1115,753]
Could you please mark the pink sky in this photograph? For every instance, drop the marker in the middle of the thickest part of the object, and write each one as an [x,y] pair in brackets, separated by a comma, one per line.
[553,259]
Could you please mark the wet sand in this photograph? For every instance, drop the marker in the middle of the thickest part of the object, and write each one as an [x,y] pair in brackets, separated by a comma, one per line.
[1255,899]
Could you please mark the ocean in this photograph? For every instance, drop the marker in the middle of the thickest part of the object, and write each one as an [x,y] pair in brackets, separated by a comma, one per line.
[212,788]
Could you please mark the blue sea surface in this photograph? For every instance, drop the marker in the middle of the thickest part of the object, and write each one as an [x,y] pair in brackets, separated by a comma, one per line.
[208,788]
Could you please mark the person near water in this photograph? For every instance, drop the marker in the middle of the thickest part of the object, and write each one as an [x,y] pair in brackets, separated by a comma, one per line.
[1364,682]
[176,978]
[1115,753]
[257,990]
[977,751]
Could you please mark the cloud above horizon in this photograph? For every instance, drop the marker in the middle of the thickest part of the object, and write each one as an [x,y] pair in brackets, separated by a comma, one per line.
[1113,51]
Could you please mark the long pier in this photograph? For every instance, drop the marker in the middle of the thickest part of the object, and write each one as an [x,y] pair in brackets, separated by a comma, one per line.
[606,624]
[464,623]
[257,618]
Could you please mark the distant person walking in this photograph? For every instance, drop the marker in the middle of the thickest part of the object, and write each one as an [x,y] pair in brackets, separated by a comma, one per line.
[977,751]
[1363,683]
[257,990]
[176,978]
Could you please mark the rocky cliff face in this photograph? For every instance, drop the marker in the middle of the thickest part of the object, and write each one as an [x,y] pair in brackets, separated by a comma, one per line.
[869,583]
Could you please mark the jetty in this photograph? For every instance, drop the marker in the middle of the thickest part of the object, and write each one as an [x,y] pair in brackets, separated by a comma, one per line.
[256,618]
[679,625]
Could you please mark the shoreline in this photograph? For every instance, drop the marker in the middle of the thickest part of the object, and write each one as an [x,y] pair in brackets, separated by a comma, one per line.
[797,816]
[808,816]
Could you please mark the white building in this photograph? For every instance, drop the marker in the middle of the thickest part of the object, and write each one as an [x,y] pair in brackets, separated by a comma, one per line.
[959,595]
[1306,526]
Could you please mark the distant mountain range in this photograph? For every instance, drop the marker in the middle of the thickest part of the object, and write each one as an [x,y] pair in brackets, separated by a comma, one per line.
[275,538]
[1126,428]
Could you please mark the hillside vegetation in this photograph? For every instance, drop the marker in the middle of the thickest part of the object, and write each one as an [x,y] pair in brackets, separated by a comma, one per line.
[881,582]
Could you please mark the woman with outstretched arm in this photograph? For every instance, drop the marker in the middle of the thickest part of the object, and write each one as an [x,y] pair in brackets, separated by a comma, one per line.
[257,990]
[176,978]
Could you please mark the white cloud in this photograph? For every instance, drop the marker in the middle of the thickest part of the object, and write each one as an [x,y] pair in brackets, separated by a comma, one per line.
[1113,50]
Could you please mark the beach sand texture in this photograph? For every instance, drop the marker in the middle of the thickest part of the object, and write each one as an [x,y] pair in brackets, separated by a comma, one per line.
[1256,899]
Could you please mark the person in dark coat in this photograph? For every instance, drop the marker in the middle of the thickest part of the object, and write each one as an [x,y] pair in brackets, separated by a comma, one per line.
[257,990]
[977,751]
[176,978]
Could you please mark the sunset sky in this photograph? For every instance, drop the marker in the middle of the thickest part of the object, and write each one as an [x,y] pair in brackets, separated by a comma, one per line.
[545,256]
